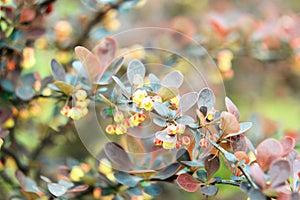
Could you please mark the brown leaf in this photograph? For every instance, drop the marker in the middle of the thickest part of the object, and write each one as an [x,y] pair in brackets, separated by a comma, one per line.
[188,183]
[288,144]
[229,123]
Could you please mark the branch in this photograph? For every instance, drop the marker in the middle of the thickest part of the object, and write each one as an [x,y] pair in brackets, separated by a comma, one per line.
[228,182]
[21,166]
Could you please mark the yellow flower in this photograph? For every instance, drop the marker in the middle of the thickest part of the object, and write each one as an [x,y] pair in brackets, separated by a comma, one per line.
[105,166]
[9,123]
[81,95]
[174,101]
[147,104]
[121,129]
[169,145]
[137,118]
[111,129]
[138,96]
[172,129]
[118,116]
[76,173]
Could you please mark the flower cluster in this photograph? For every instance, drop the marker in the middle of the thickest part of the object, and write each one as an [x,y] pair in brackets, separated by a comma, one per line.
[142,100]
[81,106]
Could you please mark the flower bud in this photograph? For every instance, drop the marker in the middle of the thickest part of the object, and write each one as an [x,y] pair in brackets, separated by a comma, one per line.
[186,140]
[147,104]
[169,145]
[81,95]
[121,129]
[75,113]
[111,129]
[203,143]
[157,142]
[118,116]
[172,129]
[138,96]
[180,128]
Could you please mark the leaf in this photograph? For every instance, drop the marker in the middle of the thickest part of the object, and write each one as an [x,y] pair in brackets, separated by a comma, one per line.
[167,172]
[126,179]
[229,124]
[32,33]
[135,191]
[206,98]
[66,88]
[25,92]
[27,15]
[231,108]
[161,109]
[155,82]
[66,183]
[46,179]
[159,122]
[211,164]
[79,188]
[57,71]
[5,114]
[135,67]
[106,78]
[256,194]
[201,175]
[244,127]
[106,52]
[89,61]
[187,101]
[168,92]
[209,190]
[188,183]
[122,86]
[192,163]
[288,144]
[152,189]
[183,155]
[258,175]
[30,195]
[280,171]
[268,151]
[27,184]
[143,173]
[57,189]
[117,155]
[185,120]
[173,79]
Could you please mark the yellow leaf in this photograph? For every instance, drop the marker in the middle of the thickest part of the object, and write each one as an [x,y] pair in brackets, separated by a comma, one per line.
[64,87]
[167,92]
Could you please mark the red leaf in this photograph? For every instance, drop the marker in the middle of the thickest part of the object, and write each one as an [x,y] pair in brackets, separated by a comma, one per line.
[280,171]
[229,123]
[258,175]
[231,107]
[188,183]
[27,15]
[288,144]
[212,165]
[268,151]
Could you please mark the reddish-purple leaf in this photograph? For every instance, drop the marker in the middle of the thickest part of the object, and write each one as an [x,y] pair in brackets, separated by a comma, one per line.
[244,126]
[288,144]
[33,33]
[231,107]
[280,171]
[268,151]
[188,183]
[80,188]
[106,53]
[117,155]
[167,172]
[238,143]
[173,79]
[209,190]
[187,101]
[27,15]
[258,175]
[211,165]
[57,71]
[5,113]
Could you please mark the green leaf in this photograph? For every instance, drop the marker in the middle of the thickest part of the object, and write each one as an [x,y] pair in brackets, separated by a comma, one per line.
[152,189]
[201,175]
[161,109]
[209,190]
[57,189]
[187,101]
[57,71]
[66,88]
[25,92]
[206,98]
[167,93]
[135,67]
[173,79]
[167,172]
[183,155]
[126,179]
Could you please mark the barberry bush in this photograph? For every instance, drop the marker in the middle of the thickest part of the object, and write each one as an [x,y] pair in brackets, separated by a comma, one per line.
[131,121]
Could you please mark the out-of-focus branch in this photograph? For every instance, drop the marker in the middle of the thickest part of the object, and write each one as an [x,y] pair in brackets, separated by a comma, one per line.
[21,166]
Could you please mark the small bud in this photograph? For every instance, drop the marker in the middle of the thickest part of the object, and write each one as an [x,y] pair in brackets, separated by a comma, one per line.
[118,116]
[97,193]
[186,141]
[172,129]
[174,101]
[83,103]
[157,98]
[157,142]
[203,143]
[9,123]
[81,95]
[178,144]
[111,129]
[65,110]
[75,113]
[180,128]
